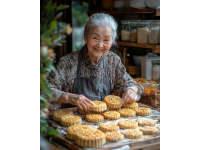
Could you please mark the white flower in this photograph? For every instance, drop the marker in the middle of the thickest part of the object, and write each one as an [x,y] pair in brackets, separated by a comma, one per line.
[43,50]
[68,29]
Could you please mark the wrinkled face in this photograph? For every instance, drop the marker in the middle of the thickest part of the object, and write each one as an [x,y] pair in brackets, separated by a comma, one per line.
[99,41]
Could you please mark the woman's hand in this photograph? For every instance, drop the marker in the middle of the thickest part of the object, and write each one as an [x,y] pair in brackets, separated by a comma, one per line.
[80,101]
[129,96]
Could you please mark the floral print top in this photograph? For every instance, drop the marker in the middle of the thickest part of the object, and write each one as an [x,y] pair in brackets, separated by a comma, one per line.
[62,80]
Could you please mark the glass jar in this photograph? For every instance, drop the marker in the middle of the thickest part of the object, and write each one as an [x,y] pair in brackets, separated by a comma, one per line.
[155,70]
[125,30]
[154,32]
[133,26]
[143,31]
[147,90]
[153,88]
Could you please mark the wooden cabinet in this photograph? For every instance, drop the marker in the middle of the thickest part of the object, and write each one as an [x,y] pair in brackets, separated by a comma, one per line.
[128,14]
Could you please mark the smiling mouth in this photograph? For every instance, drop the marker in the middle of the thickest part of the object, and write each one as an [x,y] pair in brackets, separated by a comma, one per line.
[98,50]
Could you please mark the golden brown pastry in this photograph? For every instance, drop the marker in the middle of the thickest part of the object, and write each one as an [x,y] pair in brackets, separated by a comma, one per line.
[133,133]
[112,115]
[149,130]
[128,124]
[127,112]
[90,138]
[72,131]
[146,122]
[141,111]
[114,136]
[131,105]
[99,107]
[81,111]
[108,127]
[113,102]
[94,118]
[70,120]
[57,114]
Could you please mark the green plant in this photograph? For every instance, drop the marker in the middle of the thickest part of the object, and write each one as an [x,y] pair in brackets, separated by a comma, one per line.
[52,34]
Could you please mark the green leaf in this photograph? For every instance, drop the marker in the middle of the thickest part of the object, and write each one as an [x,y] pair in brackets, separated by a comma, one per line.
[52,68]
[51,7]
[46,34]
[43,104]
[58,15]
[43,123]
[59,39]
[47,41]
[54,37]
[51,139]
[42,98]
[60,7]
[53,25]
[52,131]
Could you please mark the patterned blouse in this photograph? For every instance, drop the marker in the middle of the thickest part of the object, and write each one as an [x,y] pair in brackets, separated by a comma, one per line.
[62,80]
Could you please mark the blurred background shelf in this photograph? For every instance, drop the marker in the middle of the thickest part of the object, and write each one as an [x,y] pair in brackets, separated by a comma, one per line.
[155,48]
[156,12]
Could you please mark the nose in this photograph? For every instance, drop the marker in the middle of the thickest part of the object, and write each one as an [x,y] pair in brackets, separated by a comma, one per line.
[100,44]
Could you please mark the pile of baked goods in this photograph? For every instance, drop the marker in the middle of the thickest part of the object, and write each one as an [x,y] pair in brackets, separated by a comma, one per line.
[125,123]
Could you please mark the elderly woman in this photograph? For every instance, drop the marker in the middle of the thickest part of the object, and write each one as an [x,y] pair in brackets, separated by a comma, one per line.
[92,72]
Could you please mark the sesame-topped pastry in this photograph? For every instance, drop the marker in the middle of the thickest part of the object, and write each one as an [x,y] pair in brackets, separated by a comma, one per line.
[113,102]
[146,122]
[108,127]
[61,112]
[141,111]
[99,107]
[112,115]
[149,130]
[70,120]
[90,138]
[131,105]
[133,133]
[72,131]
[114,136]
[127,112]
[128,124]
[94,117]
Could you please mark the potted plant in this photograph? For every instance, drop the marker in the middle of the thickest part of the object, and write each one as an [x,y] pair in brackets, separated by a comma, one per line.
[52,34]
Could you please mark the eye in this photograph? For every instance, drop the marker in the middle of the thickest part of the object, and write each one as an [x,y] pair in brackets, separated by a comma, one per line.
[107,40]
[95,38]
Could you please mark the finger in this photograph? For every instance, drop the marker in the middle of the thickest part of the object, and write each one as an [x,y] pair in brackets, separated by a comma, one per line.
[124,98]
[128,99]
[136,98]
[79,106]
[90,102]
[84,106]
[131,101]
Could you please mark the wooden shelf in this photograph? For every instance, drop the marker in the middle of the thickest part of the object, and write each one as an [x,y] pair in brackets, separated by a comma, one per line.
[155,47]
[156,12]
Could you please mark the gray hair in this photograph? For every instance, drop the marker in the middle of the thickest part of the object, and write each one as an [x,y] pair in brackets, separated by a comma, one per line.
[101,19]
